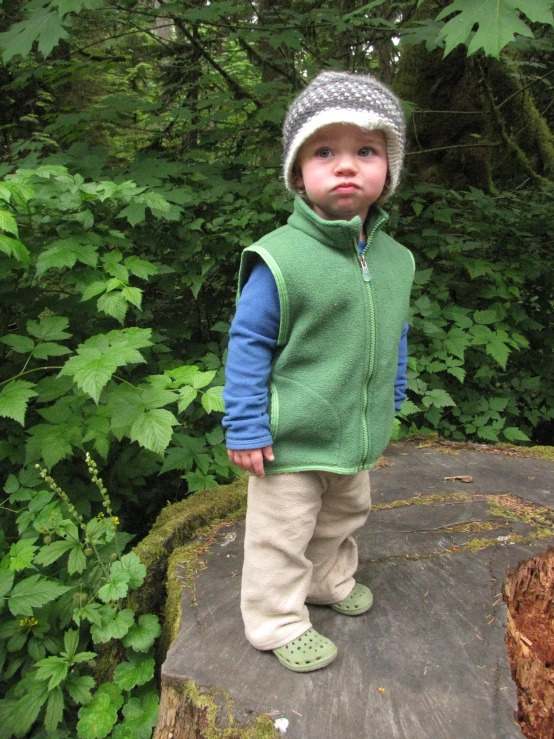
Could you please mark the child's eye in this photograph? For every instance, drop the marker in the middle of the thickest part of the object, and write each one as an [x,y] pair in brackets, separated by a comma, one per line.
[365,151]
[323,153]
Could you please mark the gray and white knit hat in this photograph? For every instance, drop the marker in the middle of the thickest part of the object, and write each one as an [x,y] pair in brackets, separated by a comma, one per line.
[342,97]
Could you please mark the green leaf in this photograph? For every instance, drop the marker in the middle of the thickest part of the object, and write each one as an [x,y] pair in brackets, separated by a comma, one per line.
[438,398]
[20,344]
[115,589]
[113,304]
[485,316]
[498,21]
[478,268]
[91,612]
[7,221]
[75,6]
[488,433]
[71,641]
[64,253]
[115,627]
[40,24]
[79,688]
[14,248]
[50,349]
[197,480]
[186,395]
[142,636]
[77,562]
[93,289]
[94,366]
[27,708]
[49,328]
[134,213]
[140,718]
[498,404]
[183,375]
[54,710]
[84,657]
[458,372]
[22,554]
[155,201]
[33,592]
[6,582]
[153,429]
[498,350]
[97,719]
[54,170]
[512,433]
[132,295]
[53,669]
[201,379]
[131,564]
[212,400]
[107,621]
[216,436]
[51,442]
[156,396]
[129,674]
[141,268]
[14,399]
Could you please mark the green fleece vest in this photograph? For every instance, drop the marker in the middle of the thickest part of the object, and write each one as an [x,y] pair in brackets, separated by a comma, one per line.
[332,384]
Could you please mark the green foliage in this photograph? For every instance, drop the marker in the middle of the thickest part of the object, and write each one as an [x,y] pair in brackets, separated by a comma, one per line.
[140,154]
[114,385]
[65,606]
[497,21]
[482,325]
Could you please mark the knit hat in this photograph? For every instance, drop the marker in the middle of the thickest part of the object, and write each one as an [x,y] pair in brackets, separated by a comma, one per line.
[342,97]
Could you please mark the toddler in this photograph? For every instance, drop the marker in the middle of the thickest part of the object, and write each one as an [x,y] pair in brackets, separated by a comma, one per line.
[316,364]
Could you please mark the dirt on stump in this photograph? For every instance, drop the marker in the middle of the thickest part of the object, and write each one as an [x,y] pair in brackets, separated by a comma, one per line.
[529,596]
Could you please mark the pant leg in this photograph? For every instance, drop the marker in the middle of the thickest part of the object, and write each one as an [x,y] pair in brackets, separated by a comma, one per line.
[333,550]
[281,516]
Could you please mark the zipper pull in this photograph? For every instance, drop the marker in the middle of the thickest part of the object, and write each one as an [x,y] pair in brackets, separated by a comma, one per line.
[365,271]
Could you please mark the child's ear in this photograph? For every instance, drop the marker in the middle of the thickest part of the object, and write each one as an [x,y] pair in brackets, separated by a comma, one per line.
[297,179]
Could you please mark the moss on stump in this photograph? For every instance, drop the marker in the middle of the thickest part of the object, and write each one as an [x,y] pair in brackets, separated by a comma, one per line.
[188,712]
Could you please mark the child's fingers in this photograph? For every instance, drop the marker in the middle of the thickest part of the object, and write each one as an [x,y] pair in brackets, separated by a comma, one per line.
[257,462]
[267,451]
[249,460]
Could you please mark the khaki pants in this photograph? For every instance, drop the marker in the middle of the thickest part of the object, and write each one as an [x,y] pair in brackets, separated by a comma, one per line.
[298,548]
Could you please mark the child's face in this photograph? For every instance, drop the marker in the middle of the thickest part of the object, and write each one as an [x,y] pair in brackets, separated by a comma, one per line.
[343,170]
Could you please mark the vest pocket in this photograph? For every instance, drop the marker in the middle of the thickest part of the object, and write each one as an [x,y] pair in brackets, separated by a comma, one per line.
[303,423]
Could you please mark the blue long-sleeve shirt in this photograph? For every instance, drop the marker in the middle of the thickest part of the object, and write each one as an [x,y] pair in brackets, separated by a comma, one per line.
[252,342]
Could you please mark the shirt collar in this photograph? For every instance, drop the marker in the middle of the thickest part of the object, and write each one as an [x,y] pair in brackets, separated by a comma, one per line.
[337,234]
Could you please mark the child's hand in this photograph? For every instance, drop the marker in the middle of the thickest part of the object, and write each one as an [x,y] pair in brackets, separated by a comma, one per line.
[251,460]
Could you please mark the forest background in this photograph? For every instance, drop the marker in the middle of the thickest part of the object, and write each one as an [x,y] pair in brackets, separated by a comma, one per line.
[140,152]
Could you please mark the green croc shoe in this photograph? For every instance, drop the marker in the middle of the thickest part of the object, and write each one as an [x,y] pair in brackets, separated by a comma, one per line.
[358,601]
[307,653]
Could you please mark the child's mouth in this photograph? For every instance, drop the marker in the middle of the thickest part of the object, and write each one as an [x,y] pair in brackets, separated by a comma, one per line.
[346,187]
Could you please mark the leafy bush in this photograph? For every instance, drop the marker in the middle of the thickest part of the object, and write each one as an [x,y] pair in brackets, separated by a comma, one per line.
[481,363]
[64,582]
[77,382]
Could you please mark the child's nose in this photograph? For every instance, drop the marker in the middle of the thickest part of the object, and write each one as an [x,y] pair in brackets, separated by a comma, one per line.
[346,163]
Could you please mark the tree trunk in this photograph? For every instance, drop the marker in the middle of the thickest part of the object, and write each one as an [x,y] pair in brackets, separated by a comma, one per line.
[475,122]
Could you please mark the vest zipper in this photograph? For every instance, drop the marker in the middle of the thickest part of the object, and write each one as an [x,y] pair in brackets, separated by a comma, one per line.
[366,276]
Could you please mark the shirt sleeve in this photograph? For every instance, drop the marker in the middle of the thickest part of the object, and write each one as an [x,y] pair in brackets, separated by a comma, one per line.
[401,381]
[252,341]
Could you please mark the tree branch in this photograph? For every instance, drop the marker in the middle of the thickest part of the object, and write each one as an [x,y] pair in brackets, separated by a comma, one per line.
[524,87]
[455,146]
[239,91]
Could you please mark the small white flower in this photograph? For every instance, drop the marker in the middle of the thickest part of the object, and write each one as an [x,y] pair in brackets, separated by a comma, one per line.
[282,725]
